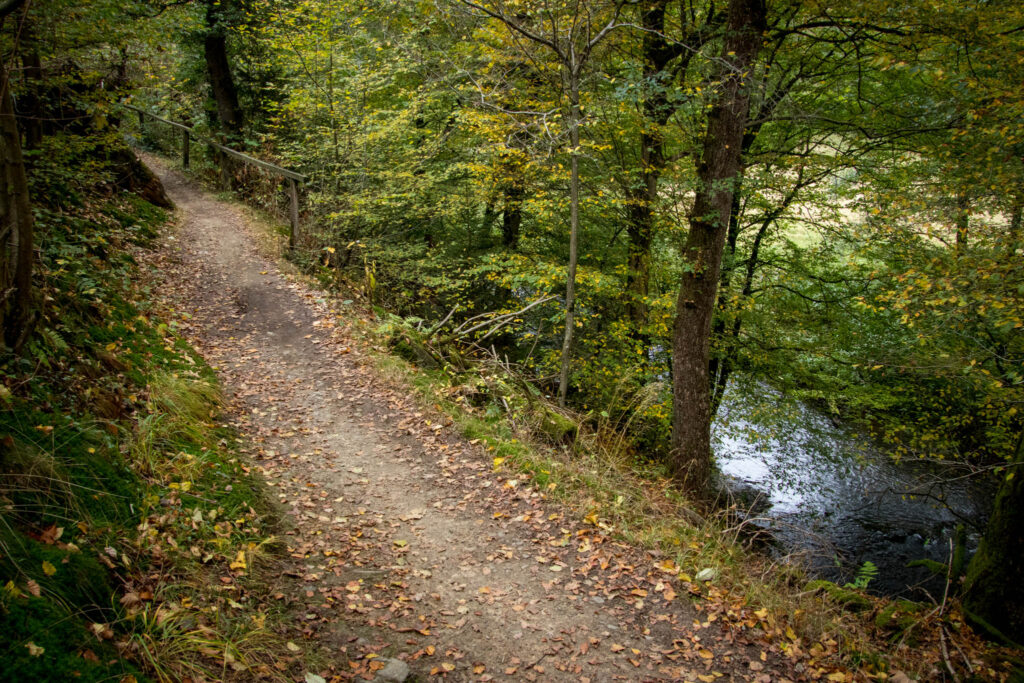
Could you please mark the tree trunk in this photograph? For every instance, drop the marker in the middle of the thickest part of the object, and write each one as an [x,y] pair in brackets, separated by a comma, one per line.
[641,196]
[17,218]
[1015,218]
[512,216]
[730,353]
[658,55]
[963,220]
[638,265]
[222,85]
[218,68]
[574,223]
[31,104]
[716,363]
[717,170]
[993,589]
[486,224]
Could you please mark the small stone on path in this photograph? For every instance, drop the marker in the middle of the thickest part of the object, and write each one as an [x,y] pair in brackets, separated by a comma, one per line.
[396,671]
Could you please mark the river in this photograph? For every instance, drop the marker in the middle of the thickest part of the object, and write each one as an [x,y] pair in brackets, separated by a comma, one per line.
[833,501]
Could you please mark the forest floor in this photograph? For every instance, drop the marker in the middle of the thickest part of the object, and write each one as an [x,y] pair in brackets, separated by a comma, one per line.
[405,541]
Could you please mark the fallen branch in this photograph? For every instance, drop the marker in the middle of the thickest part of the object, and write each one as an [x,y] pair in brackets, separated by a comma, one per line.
[497,322]
[945,655]
[438,326]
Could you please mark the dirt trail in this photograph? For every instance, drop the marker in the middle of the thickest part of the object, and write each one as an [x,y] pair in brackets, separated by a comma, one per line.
[404,541]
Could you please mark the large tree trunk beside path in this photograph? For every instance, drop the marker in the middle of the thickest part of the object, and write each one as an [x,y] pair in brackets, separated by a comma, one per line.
[717,170]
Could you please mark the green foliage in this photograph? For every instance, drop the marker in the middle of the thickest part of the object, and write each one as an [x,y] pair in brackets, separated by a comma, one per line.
[850,599]
[865,575]
[421,130]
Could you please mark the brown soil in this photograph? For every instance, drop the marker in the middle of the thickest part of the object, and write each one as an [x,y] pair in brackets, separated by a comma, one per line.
[403,541]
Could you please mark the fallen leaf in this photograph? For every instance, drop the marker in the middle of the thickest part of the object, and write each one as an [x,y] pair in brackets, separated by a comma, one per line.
[51,534]
[239,562]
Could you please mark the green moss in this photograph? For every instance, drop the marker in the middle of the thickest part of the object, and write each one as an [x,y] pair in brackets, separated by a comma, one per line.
[898,617]
[850,600]
[556,427]
[70,651]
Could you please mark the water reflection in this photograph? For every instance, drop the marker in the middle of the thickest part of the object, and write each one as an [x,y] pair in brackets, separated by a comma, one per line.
[834,500]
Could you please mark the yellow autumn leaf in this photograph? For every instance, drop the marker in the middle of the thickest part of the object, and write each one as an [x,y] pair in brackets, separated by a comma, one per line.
[239,562]
[49,569]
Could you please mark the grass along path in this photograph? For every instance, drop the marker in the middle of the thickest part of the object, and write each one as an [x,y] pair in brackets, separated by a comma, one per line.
[405,542]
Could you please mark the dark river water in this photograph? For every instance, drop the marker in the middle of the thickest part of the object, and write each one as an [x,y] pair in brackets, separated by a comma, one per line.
[832,501]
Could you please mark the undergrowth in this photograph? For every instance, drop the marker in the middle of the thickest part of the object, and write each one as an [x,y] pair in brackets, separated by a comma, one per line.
[130,528]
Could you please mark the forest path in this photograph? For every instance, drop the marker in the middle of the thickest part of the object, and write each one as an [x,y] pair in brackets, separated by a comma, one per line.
[403,541]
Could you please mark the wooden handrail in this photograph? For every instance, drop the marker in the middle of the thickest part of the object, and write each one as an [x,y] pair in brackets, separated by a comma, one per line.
[187,133]
[267,166]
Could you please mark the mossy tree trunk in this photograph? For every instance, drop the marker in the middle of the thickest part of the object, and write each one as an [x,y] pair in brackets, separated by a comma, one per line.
[994,589]
[717,172]
[16,225]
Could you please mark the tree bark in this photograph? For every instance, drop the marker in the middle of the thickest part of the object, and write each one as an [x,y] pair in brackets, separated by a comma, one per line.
[31,104]
[574,225]
[641,196]
[993,590]
[717,362]
[222,85]
[963,220]
[218,68]
[717,170]
[658,55]
[512,216]
[1015,218]
[17,218]
[483,240]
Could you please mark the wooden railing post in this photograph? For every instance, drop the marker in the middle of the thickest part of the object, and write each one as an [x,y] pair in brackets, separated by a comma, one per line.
[223,152]
[142,123]
[293,192]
